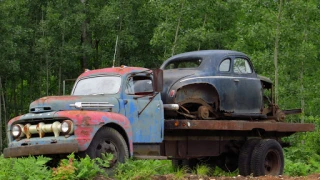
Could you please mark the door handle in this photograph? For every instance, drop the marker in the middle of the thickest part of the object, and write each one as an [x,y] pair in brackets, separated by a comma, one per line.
[236,80]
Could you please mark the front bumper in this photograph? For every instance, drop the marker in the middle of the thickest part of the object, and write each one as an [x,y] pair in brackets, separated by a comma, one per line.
[44,149]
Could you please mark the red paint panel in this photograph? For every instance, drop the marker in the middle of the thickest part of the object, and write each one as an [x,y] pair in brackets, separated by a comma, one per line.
[87,123]
[116,70]
[14,120]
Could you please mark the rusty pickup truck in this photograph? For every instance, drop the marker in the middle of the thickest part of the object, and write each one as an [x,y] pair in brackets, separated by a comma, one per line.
[119,110]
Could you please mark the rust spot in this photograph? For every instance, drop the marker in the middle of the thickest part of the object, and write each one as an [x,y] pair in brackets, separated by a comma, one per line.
[83,132]
[86,120]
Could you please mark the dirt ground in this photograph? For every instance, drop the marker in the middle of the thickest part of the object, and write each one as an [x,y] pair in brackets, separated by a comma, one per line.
[195,177]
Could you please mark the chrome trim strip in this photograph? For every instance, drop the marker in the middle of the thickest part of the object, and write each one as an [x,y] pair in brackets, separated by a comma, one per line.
[80,105]
[219,77]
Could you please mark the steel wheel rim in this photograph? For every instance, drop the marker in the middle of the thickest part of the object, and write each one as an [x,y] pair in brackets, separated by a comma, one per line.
[272,163]
[108,146]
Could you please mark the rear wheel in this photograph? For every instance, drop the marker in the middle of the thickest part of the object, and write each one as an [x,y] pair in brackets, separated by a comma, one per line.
[108,140]
[245,156]
[267,158]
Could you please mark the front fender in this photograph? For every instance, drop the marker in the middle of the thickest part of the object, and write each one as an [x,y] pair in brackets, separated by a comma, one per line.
[87,123]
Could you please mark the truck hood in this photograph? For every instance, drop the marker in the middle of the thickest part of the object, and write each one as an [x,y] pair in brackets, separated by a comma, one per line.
[62,103]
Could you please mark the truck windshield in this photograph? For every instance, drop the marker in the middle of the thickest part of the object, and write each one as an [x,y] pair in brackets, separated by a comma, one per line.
[98,85]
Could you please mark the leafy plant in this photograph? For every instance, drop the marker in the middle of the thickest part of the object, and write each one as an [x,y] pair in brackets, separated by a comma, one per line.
[66,169]
[142,169]
[24,168]
[84,168]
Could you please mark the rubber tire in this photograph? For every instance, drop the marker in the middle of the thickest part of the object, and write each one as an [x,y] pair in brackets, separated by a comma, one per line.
[267,149]
[244,162]
[109,135]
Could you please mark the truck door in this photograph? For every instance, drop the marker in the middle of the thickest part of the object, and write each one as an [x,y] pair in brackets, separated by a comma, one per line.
[248,90]
[144,109]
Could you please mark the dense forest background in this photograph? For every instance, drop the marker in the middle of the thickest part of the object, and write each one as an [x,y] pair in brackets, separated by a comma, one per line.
[43,43]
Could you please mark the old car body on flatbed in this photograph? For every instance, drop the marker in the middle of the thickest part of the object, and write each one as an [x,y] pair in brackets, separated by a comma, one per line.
[120,111]
[215,84]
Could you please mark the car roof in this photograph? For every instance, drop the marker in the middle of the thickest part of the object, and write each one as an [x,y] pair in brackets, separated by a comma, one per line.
[216,54]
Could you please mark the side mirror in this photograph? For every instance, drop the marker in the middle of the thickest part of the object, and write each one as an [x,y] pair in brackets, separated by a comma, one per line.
[157,80]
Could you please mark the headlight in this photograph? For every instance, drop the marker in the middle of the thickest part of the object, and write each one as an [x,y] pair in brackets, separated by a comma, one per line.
[67,127]
[17,131]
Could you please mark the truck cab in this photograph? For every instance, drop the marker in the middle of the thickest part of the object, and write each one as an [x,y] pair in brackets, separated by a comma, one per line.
[108,110]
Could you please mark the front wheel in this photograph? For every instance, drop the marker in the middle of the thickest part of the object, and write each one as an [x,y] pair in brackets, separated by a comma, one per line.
[267,158]
[108,140]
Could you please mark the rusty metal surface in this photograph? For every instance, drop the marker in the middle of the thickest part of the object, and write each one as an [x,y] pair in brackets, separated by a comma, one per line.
[238,125]
[199,148]
[115,70]
[40,150]
[158,80]
[292,111]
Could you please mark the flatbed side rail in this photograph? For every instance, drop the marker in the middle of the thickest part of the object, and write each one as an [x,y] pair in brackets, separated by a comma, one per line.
[238,125]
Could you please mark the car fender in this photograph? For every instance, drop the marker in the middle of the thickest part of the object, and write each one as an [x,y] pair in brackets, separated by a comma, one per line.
[194,81]
[87,123]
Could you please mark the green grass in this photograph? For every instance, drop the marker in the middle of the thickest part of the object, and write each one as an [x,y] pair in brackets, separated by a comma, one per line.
[203,170]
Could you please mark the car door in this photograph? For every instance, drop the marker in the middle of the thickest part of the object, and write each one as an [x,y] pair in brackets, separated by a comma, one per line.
[144,109]
[248,90]
[225,85]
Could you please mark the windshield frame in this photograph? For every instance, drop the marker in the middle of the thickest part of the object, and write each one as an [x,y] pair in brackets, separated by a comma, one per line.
[95,76]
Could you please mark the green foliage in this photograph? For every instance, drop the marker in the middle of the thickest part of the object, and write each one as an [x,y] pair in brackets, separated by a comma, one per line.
[180,173]
[219,172]
[303,157]
[203,170]
[301,161]
[24,168]
[142,169]
[85,168]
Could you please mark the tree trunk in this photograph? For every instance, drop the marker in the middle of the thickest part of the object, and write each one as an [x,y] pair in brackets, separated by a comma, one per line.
[47,74]
[177,31]
[305,33]
[1,123]
[204,23]
[276,51]
[83,41]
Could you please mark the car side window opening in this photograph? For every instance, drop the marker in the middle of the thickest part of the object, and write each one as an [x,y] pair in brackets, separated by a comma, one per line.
[184,64]
[139,85]
[241,66]
[225,65]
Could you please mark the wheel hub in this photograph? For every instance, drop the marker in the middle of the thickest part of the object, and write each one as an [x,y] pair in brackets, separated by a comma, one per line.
[108,147]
